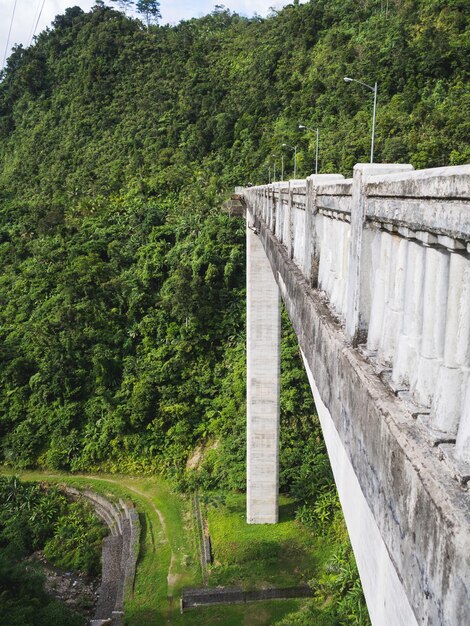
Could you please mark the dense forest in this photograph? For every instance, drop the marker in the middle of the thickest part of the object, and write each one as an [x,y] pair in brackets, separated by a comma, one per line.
[37,517]
[122,282]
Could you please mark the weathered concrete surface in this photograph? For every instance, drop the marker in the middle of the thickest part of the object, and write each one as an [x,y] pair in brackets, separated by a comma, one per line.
[434,200]
[421,513]
[192,598]
[263,359]
[385,596]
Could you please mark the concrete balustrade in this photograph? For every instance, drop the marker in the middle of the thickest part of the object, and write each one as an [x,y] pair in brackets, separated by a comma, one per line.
[390,250]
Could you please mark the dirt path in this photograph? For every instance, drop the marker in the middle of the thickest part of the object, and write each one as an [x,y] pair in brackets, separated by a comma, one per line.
[171,577]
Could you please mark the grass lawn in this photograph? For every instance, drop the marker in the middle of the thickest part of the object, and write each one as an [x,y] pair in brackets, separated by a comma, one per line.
[250,556]
[256,556]
[254,614]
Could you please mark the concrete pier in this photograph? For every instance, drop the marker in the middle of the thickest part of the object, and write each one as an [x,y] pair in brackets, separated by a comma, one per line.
[263,361]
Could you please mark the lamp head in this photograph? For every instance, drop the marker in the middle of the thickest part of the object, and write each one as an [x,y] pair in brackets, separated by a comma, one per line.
[302,127]
[347,79]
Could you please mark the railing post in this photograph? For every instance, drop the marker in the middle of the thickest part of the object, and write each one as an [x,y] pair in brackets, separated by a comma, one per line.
[289,221]
[359,293]
[311,210]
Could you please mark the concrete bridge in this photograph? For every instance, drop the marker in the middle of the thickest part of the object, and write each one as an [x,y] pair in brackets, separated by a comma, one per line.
[374,272]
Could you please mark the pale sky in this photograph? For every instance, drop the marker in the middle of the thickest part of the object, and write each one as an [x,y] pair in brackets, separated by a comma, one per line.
[27,14]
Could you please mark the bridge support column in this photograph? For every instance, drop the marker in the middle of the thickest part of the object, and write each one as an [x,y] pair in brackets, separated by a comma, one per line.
[263,365]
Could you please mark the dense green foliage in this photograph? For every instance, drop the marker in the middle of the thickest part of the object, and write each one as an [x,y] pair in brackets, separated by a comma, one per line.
[38,517]
[33,517]
[122,284]
[23,601]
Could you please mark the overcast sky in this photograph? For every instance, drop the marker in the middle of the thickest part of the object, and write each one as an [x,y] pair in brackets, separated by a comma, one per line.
[27,14]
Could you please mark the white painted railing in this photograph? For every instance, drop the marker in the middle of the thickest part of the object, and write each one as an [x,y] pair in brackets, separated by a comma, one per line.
[390,249]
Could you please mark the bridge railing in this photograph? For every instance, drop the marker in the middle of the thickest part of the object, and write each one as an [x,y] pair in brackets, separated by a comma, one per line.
[390,250]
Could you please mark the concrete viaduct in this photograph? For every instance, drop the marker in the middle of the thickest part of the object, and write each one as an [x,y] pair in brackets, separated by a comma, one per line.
[374,272]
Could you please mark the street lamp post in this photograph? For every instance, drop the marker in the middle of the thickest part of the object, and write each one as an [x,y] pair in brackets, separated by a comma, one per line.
[282,167]
[294,148]
[274,156]
[302,127]
[374,89]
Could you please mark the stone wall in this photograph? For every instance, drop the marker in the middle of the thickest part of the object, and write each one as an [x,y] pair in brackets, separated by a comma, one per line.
[193,598]
[119,556]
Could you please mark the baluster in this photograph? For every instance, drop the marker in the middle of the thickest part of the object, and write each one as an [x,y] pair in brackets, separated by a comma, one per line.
[274,212]
[287,210]
[447,402]
[284,214]
[379,291]
[406,360]
[345,266]
[393,312]
[269,213]
[325,255]
[295,231]
[318,235]
[290,236]
[436,280]
[338,245]
[310,211]
[301,237]
[462,446]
